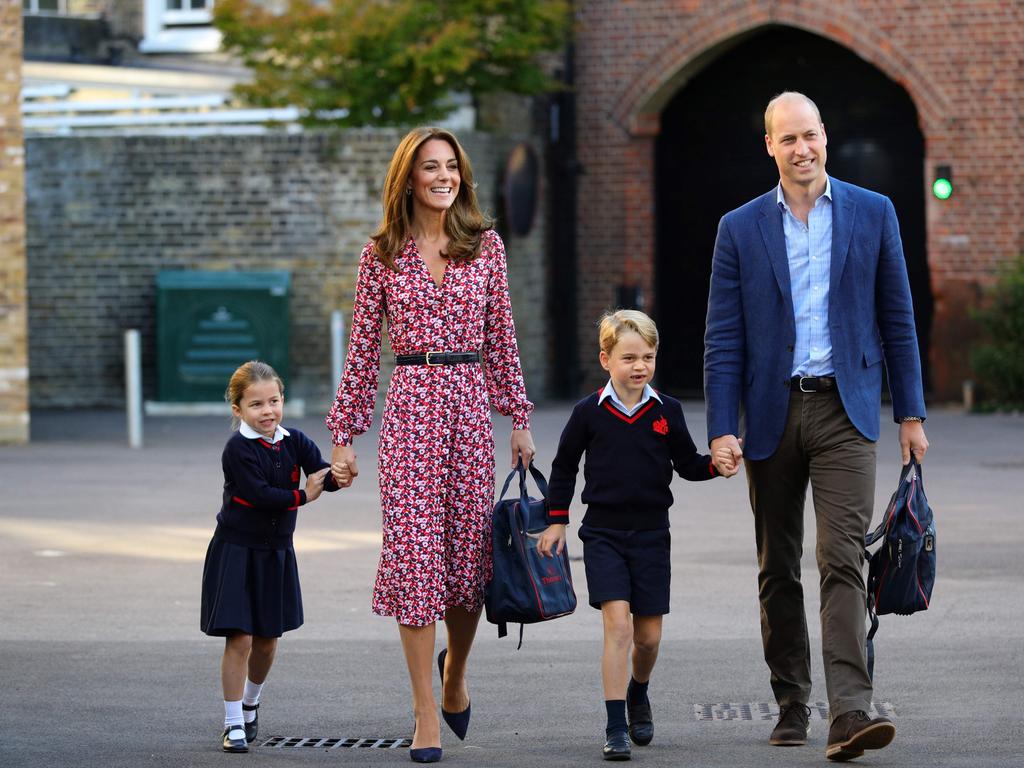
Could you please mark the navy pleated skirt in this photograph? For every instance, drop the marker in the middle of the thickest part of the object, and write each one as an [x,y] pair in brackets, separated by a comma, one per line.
[253,591]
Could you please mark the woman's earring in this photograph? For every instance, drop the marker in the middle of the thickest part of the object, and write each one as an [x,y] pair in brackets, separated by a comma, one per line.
[408,190]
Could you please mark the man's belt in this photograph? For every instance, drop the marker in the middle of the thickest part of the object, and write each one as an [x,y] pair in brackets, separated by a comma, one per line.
[438,358]
[813,383]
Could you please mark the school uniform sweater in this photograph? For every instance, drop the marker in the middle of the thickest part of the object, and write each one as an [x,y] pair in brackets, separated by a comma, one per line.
[628,466]
[261,488]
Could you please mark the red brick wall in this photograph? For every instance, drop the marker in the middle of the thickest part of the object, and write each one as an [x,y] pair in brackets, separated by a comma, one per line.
[959,62]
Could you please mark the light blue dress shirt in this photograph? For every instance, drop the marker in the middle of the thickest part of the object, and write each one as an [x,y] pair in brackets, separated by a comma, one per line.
[609,391]
[809,251]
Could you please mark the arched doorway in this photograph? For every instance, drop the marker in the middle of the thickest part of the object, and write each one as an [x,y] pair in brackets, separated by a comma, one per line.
[710,158]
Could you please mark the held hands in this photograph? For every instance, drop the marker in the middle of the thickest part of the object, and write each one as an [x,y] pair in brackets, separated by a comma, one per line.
[726,453]
[315,485]
[343,465]
[912,438]
[552,541]
[522,447]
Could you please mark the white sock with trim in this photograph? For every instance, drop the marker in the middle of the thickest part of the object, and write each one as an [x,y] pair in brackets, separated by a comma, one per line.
[233,713]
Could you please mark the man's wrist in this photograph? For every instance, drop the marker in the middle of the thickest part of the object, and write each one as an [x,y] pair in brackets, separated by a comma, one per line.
[905,419]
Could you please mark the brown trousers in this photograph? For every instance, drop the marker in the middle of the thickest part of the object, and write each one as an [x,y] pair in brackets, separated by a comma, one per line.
[819,444]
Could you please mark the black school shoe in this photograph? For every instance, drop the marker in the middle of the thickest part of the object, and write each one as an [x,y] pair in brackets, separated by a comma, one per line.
[616,747]
[251,729]
[234,739]
[641,723]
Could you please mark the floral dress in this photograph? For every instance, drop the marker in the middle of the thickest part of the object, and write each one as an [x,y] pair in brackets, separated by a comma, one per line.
[436,450]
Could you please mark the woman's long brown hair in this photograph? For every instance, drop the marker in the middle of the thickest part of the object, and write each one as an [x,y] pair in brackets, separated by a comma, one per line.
[463,222]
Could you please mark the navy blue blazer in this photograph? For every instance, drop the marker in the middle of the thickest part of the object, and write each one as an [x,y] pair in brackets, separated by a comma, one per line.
[748,343]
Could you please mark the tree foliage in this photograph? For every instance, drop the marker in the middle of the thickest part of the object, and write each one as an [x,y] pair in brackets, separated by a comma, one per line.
[389,62]
[1000,362]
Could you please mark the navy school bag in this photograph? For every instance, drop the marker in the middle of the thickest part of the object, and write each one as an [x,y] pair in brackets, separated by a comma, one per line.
[901,572]
[525,587]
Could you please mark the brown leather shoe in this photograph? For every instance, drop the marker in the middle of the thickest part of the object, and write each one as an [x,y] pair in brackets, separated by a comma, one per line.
[793,726]
[852,732]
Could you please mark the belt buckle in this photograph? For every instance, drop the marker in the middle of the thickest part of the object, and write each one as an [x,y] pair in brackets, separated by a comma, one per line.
[433,352]
[801,384]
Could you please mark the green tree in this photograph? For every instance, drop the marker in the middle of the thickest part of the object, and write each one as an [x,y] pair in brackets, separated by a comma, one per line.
[389,62]
[1000,362]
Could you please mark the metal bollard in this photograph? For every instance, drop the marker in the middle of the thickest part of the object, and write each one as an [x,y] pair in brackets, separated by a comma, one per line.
[133,386]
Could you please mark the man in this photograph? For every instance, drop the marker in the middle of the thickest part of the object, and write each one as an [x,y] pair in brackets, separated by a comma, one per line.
[809,294]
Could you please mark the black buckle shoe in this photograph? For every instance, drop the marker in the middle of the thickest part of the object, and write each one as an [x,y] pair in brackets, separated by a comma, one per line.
[616,747]
[641,723]
[251,729]
[234,739]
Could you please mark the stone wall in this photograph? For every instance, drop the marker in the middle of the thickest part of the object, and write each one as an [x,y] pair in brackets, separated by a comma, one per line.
[107,213]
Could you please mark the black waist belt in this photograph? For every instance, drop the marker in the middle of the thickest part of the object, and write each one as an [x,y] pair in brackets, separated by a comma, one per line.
[813,383]
[438,358]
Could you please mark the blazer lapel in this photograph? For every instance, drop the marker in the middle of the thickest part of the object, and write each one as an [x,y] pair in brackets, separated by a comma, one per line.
[844,209]
[770,223]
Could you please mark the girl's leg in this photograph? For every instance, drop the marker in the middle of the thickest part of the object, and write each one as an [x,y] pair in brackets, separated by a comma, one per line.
[618,634]
[418,644]
[646,642]
[261,659]
[461,625]
[233,665]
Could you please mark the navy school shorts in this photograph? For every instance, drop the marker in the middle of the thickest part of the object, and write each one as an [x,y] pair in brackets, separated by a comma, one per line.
[634,566]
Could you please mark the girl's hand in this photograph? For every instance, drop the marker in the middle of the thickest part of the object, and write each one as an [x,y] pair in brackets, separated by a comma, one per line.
[522,447]
[552,541]
[315,484]
[343,465]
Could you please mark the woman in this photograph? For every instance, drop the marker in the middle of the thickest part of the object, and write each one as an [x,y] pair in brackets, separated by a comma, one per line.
[437,271]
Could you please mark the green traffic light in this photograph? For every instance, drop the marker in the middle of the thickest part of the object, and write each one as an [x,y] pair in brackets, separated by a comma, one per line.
[942,188]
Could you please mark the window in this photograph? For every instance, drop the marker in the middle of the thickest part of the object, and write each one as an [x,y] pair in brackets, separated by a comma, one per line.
[178,26]
[188,12]
[45,6]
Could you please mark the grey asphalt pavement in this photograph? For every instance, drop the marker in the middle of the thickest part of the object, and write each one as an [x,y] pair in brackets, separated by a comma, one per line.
[102,663]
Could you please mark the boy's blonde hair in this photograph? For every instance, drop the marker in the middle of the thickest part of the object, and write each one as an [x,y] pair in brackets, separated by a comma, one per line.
[614,324]
[246,374]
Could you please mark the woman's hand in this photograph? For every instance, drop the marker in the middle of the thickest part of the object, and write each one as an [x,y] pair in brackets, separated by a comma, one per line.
[552,541]
[522,447]
[343,465]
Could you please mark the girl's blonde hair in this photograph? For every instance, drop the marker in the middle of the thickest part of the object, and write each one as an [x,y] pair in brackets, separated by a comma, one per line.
[246,375]
[463,222]
[614,324]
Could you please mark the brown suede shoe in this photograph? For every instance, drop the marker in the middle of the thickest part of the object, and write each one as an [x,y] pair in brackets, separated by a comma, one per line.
[852,732]
[793,726]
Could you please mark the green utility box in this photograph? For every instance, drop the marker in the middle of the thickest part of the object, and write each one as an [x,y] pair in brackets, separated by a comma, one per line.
[209,323]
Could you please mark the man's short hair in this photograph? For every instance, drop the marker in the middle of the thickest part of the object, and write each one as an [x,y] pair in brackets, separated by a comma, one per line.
[779,97]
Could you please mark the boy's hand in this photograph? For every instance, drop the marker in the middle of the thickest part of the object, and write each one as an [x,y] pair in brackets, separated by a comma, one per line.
[726,452]
[552,541]
[315,484]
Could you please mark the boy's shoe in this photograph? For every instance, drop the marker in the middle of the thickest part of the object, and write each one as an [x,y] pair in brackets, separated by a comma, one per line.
[251,729]
[641,723]
[234,739]
[853,732]
[793,726]
[616,747]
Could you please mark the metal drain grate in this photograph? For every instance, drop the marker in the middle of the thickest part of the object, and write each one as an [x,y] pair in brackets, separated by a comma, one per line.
[287,742]
[760,710]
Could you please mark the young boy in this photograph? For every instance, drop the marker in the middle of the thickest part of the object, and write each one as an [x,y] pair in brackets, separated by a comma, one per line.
[633,437]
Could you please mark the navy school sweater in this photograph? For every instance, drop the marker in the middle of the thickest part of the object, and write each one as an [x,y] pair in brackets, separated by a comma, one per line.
[261,488]
[628,466]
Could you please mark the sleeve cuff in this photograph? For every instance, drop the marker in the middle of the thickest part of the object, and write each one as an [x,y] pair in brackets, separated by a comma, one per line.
[342,437]
[558,517]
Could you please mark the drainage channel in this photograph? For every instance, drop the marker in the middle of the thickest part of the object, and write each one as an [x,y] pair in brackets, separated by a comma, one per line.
[289,742]
[760,710]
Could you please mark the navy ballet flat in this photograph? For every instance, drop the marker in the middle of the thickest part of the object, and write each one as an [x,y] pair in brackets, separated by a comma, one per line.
[253,728]
[425,755]
[457,721]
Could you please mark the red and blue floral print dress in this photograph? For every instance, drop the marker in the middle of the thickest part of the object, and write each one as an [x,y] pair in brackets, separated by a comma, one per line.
[436,449]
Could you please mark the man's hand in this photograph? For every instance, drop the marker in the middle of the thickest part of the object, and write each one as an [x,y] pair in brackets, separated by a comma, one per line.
[912,439]
[343,465]
[726,454]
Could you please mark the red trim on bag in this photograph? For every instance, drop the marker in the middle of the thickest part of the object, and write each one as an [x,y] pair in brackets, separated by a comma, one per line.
[910,498]
[630,419]
[529,573]
[920,589]
[241,501]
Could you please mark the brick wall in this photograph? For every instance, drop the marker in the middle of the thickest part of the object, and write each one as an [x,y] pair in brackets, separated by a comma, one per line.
[959,61]
[13,343]
[106,213]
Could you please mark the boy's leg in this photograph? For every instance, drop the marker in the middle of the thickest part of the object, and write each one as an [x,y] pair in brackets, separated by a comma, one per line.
[618,635]
[646,642]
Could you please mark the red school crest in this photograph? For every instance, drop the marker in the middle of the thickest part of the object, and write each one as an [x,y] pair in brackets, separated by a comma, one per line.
[661,426]
[295,473]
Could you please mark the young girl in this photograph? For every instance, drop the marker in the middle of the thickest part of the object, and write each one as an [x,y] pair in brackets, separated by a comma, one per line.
[250,581]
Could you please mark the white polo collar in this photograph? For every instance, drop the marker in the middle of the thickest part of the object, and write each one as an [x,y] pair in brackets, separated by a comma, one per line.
[279,433]
[609,391]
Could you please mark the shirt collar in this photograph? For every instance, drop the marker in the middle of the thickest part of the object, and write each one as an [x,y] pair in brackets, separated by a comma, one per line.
[609,391]
[279,433]
[781,198]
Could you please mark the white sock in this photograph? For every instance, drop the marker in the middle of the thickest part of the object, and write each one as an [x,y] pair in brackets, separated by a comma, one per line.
[251,695]
[232,713]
